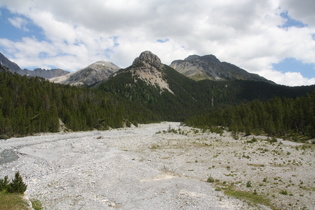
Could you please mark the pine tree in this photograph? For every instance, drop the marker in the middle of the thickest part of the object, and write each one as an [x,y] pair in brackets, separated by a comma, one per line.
[17,185]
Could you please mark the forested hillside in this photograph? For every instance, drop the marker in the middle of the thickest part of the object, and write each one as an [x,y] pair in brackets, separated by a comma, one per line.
[275,117]
[174,106]
[190,97]
[32,105]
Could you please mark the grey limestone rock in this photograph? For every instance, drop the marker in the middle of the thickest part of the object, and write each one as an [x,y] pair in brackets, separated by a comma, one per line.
[90,75]
[147,57]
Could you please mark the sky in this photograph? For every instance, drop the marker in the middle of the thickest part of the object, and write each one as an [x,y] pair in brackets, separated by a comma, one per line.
[272,38]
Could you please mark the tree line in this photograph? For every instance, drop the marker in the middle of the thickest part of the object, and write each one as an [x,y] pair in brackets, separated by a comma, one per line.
[32,105]
[275,117]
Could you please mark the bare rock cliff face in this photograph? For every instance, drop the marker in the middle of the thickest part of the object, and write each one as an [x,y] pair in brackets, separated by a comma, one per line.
[149,68]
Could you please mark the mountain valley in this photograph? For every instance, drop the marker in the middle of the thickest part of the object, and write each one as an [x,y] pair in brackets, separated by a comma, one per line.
[97,138]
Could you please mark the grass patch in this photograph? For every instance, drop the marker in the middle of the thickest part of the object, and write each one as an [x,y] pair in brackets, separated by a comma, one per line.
[251,197]
[12,201]
[36,204]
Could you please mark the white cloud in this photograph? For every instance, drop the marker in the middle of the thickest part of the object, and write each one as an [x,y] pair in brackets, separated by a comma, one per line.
[288,78]
[245,32]
[19,22]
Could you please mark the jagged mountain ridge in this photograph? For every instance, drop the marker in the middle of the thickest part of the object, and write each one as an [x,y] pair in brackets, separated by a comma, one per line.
[209,67]
[88,76]
[194,66]
[38,72]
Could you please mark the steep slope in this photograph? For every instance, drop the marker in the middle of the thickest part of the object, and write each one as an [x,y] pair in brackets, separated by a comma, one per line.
[9,64]
[209,67]
[5,69]
[89,76]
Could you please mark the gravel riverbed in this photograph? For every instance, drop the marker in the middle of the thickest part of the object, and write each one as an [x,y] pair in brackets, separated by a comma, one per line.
[159,166]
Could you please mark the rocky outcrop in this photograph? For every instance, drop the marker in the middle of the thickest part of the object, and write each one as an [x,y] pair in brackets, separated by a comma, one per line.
[148,59]
[149,68]
[209,67]
[89,76]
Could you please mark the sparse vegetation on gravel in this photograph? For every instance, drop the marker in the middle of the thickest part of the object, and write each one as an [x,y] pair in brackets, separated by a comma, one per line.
[181,166]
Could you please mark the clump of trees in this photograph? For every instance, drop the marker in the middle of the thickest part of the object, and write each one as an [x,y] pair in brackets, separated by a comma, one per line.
[15,186]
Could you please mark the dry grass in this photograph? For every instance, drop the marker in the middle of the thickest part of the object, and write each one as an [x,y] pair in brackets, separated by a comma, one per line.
[12,201]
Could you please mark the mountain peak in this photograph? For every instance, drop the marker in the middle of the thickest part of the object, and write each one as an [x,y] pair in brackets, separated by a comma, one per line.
[88,76]
[205,58]
[149,68]
[209,67]
[147,58]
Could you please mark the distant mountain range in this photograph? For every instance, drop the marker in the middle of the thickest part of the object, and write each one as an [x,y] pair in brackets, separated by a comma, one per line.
[194,67]
[88,76]
[209,67]
[38,72]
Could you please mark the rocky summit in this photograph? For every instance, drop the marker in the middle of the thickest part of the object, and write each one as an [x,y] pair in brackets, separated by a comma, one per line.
[209,67]
[147,58]
[148,68]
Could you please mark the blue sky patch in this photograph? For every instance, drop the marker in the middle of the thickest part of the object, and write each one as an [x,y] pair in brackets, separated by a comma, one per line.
[115,40]
[290,22]
[13,33]
[294,65]
[162,40]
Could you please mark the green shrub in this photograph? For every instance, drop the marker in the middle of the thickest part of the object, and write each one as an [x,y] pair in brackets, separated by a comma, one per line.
[36,204]
[210,180]
[249,184]
[4,183]
[17,185]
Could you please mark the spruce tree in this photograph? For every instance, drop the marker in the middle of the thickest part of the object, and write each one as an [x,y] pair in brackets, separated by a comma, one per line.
[17,185]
